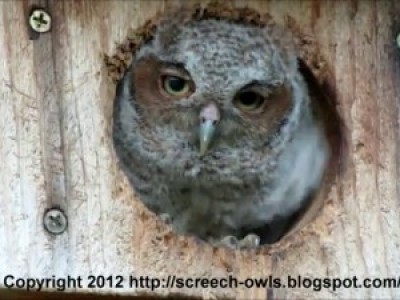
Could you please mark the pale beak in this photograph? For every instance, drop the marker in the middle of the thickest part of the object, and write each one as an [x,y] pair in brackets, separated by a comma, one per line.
[207,130]
[209,118]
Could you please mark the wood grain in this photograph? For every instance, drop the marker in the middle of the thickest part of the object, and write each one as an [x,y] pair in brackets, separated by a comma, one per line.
[55,150]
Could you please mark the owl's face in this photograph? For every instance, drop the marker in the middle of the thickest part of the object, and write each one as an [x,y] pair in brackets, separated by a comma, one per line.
[210,91]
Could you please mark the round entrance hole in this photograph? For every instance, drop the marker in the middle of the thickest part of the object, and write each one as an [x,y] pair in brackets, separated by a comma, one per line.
[162,172]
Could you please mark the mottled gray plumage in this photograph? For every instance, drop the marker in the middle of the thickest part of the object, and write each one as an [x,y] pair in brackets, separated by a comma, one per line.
[260,165]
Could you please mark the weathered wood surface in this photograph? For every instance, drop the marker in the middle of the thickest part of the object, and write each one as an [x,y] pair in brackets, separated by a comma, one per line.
[55,149]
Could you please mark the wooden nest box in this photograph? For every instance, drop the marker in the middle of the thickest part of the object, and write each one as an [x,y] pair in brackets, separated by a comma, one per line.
[59,171]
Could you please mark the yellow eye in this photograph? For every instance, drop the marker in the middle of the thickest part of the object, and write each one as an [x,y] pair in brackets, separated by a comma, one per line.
[248,100]
[175,86]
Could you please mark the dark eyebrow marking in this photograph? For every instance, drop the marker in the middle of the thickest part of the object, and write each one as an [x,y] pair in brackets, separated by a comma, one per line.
[173,64]
[177,66]
[260,85]
[256,83]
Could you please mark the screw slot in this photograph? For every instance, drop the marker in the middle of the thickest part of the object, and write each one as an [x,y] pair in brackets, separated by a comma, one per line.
[55,221]
[40,20]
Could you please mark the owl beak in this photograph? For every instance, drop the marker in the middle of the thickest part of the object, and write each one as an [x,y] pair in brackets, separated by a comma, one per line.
[207,131]
[209,118]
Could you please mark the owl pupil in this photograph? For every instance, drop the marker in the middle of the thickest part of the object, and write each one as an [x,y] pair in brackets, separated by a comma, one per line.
[176,84]
[249,98]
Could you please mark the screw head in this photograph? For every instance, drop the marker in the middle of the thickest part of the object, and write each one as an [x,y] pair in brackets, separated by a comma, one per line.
[55,221]
[40,20]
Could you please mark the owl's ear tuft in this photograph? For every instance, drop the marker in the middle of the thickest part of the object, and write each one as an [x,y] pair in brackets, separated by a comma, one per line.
[284,40]
[167,33]
[174,17]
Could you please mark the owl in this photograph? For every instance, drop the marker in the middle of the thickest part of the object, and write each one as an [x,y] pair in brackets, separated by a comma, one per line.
[214,128]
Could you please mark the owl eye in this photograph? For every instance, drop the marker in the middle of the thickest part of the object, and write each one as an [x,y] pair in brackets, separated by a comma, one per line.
[175,86]
[248,100]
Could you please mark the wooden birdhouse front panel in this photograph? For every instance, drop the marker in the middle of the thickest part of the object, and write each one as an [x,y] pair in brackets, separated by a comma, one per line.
[67,209]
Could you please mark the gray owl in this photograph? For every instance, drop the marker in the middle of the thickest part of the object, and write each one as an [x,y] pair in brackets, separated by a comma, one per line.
[214,128]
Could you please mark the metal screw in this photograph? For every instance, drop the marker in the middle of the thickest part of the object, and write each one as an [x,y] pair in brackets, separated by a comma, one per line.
[40,20]
[55,221]
[398,40]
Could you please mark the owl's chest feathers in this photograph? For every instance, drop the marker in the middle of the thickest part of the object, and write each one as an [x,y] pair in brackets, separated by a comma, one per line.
[203,196]
[201,205]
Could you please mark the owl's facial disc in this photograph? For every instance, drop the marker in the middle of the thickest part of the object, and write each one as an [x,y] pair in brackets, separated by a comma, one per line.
[209,119]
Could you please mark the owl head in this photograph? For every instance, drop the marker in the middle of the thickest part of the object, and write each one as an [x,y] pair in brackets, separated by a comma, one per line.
[212,94]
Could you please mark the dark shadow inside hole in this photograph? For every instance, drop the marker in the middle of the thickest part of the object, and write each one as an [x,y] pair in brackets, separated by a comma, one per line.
[323,97]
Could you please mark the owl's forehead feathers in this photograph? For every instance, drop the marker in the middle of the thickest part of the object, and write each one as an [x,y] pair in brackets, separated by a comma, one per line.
[223,52]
